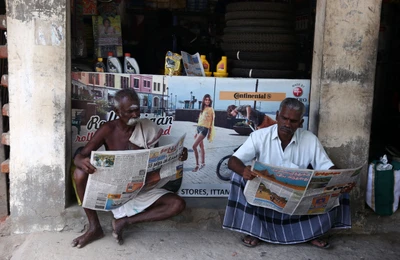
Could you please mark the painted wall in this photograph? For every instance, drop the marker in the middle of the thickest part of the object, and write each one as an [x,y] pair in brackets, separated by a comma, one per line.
[39,94]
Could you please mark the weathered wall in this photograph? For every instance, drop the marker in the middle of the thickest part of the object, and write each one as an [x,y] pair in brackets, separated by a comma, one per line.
[39,86]
[345,49]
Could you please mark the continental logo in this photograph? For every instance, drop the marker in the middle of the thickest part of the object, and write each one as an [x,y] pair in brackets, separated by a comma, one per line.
[257,96]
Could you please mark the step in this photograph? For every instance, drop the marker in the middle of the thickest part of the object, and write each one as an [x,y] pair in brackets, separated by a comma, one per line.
[3,52]
[3,22]
[200,214]
[4,80]
[6,110]
[5,166]
[5,138]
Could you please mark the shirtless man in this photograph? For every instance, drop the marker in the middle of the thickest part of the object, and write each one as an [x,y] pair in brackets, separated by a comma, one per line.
[114,135]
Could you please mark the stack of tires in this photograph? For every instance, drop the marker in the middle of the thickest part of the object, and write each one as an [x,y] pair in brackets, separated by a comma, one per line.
[259,39]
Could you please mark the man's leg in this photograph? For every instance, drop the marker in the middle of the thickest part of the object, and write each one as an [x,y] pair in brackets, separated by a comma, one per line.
[94,230]
[165,207]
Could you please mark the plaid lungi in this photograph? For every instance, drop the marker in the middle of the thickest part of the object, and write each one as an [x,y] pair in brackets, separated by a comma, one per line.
[274,227]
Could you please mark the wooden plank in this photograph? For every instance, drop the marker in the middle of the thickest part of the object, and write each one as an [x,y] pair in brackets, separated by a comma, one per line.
[5,166]
[3,22]
[6,110]
[4,80]
[5,138]
[3,52]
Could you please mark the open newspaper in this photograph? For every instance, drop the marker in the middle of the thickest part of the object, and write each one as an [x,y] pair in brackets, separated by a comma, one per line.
[122,175]
[298,191]
[192,64]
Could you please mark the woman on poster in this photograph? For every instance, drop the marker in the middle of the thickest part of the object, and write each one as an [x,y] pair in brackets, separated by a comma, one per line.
[205,128]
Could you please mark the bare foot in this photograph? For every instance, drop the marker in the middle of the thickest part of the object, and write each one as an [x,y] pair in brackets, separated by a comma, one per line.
[196,168]
[91,235]
[117,225]
[320,243]
[250,241]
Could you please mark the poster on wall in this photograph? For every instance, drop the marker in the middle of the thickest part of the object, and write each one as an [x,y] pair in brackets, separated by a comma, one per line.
[175,103]
[107,35]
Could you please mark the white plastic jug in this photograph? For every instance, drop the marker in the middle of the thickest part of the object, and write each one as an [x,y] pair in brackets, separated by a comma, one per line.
[130,65]
[113,64]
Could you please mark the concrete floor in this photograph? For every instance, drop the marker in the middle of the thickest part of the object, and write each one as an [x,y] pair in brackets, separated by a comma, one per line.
[199,244]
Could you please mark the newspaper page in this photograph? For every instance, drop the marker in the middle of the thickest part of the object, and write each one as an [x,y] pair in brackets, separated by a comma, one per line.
[121,175]
[192,64]
[298,191]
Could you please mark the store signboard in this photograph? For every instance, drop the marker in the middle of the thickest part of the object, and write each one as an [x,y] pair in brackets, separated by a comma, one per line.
[174,102]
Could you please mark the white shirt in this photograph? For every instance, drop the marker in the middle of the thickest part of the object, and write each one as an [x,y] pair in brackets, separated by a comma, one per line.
[303,149]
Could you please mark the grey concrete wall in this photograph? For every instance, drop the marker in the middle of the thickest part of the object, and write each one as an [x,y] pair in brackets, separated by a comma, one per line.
[345,50]
[39,80]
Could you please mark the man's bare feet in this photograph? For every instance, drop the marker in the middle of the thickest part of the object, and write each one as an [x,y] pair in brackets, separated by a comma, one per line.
[117,225]
[91,235]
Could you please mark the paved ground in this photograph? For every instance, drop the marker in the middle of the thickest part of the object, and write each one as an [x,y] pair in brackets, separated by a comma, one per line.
[192,245]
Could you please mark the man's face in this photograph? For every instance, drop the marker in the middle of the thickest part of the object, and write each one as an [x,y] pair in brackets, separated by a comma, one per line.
[234,113]
[129,111]
[288,121]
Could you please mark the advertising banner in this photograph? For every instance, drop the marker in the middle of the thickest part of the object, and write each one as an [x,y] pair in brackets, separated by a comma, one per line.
[175,104]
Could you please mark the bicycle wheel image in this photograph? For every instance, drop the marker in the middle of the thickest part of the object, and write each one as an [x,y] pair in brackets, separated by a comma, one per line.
[223,172]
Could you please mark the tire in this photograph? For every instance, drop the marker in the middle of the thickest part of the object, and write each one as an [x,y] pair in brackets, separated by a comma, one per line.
[223,172]
[255,73]
[258,15]
[254,6]
[266,65]
[249,29]
[261,56]
[262,47]
[261,23]
[259,38]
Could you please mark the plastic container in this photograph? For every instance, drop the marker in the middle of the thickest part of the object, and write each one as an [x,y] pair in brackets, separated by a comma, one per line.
[130,65]
[113,64]
[100,67]
[221,70]
[222,65]
[206,65]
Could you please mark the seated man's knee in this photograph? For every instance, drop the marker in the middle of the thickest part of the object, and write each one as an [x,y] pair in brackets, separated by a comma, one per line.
[177,204]
[80,176]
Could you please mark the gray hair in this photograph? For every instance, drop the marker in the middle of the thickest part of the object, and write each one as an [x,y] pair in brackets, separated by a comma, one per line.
[293,103]
[128,93]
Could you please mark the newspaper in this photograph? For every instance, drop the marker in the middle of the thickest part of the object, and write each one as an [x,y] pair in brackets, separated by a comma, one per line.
[192,64]
[298,191]
[122,175]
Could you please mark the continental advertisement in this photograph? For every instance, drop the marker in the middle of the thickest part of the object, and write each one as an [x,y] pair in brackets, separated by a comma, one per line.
[195,106]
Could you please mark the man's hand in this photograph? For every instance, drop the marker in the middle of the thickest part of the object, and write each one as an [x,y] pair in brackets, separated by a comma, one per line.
[247,174]
[184,155]
[84,164]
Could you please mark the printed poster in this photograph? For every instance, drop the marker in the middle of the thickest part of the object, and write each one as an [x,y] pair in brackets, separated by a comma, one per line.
[174,103]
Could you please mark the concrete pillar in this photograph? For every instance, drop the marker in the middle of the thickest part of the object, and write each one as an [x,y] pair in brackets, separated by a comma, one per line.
[342,89]
[39,95]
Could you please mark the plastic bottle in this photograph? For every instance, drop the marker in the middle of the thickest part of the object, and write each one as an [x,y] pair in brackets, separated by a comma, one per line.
[130,65]
[100,67]
[222,65]
[221,69]
[113,64]
[206,65]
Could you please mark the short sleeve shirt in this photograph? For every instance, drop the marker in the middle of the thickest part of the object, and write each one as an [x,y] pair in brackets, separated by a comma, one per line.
[303,149]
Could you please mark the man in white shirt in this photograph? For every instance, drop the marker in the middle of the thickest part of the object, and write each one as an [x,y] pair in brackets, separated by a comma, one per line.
[284,144]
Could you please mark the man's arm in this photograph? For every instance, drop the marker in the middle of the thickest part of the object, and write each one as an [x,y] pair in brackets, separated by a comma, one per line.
[236,165]
[82,160]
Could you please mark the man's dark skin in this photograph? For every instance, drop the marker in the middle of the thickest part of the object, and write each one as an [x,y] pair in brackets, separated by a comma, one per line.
[288,120]
[114,135]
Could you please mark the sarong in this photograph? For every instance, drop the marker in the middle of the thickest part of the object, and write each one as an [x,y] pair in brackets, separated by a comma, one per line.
[274,227]
[139,203]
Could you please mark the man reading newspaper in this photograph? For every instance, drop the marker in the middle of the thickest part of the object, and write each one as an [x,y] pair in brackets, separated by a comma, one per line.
[127,132]
[284,144]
